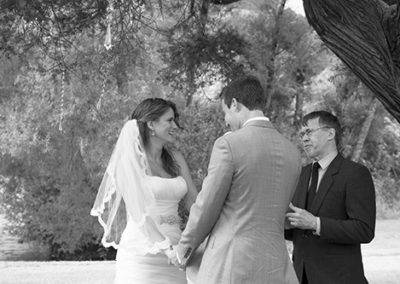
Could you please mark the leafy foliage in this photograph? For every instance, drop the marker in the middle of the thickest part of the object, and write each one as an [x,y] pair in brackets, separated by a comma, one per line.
[212,54]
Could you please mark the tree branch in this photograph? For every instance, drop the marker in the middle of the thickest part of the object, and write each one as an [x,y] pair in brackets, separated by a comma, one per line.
[365,35]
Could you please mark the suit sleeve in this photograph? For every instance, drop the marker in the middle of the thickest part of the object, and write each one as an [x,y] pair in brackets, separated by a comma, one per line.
[289,234]
[359,227]
[206,210]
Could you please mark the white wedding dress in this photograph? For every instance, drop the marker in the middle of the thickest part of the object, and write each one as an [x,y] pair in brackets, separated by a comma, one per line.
[134,263]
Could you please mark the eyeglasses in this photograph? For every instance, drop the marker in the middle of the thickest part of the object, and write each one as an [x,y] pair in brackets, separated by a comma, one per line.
[309,132]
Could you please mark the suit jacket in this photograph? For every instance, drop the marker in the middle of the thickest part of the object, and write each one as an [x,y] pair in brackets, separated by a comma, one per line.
[345,203]
[251,179]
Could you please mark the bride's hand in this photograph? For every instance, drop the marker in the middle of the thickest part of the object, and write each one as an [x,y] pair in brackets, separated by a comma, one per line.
[170,253]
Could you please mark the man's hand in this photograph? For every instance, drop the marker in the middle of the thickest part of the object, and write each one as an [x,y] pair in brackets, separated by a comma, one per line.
[301,219]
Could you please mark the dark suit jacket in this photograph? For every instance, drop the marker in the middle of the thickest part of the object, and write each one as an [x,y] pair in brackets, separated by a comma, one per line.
[345,203]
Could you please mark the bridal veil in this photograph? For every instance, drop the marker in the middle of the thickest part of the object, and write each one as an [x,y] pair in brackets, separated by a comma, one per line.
[124,189]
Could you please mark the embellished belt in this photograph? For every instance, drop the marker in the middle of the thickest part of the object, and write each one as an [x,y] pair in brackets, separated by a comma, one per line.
[169,219]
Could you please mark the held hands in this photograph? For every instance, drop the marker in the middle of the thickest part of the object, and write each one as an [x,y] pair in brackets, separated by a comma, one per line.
[174,259]
[300,219]
[170,253]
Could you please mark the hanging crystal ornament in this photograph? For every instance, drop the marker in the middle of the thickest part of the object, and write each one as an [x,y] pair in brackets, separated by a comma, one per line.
[108,46]
[107,41]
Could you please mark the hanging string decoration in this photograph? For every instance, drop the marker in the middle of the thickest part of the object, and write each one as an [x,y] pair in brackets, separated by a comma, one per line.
[108,46]
[108,37]
[103,89]
[62,100]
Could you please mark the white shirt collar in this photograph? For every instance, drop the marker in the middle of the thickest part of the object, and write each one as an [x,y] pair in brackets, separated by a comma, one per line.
[327,160]
[256,118]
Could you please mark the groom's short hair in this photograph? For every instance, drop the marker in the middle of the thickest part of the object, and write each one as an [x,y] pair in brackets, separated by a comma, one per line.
[246,90]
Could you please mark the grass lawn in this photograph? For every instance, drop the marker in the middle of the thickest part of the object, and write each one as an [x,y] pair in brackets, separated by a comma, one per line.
[52,272]
[381,262]
[382,256]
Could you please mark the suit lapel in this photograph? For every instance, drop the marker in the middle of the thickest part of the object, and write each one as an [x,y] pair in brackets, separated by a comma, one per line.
[326,183]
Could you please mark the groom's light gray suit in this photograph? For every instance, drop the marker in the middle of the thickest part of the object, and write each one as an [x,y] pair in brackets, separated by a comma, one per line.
[251,179]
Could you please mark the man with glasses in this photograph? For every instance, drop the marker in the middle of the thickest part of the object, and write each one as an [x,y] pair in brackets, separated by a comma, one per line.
[333,209]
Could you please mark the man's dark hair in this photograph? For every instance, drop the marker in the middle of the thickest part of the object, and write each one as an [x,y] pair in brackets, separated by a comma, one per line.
[247,91]
[325,119]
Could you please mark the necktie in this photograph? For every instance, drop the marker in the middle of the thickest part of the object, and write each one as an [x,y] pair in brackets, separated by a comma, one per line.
[313,186]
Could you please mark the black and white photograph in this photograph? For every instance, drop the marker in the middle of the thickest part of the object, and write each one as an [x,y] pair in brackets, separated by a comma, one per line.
[200,142]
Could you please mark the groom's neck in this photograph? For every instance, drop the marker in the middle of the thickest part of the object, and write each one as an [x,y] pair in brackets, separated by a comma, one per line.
[255,113]
[248,114]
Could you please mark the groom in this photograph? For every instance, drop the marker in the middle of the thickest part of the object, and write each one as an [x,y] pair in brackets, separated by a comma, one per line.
[251,179]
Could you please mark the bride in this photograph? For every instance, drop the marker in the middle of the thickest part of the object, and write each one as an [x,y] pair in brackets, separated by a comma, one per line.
[137,202]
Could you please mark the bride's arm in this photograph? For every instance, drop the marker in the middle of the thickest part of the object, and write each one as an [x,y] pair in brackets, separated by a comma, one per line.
[191,195]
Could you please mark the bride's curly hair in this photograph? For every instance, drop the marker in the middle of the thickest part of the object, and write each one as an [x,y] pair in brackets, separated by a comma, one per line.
[151,110]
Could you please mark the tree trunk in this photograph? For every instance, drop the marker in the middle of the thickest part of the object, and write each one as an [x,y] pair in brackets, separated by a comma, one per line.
[191,84]
[298,113]
[364,130]
[274,53]
[366,36]
[121,76]
[204,14]
[191,72]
